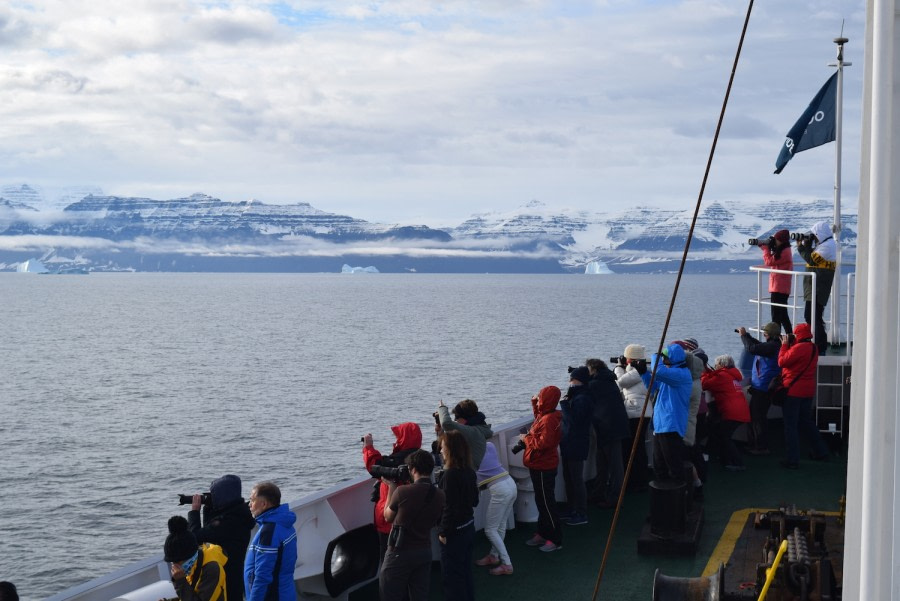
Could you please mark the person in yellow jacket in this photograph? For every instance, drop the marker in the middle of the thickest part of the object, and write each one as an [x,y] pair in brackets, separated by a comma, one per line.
[198,571]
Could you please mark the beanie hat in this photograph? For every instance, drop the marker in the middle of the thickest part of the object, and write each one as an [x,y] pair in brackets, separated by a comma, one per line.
[690,344]
[773,329]
[634,352]
[783,236]
[180,544]
[581,374]
[225,490]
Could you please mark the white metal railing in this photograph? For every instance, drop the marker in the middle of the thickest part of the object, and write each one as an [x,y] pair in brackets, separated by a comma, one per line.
[761,300]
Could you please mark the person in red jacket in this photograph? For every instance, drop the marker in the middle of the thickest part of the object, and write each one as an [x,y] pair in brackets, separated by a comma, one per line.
[409,439]
[542,460]
[798,359]
[779,255]
[724,382]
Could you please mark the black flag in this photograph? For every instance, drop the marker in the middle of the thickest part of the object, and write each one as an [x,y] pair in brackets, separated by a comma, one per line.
[814,127]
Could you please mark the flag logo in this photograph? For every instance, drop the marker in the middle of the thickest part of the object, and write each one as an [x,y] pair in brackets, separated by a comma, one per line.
[814,127]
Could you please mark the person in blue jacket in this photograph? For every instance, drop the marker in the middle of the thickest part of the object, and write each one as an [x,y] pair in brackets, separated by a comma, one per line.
[673,385]
[269,566]
[765,368]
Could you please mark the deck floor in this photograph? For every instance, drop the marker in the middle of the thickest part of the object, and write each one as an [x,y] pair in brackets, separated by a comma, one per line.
[571,573]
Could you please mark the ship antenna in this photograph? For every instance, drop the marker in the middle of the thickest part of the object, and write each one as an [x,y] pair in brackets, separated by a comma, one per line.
[687,245]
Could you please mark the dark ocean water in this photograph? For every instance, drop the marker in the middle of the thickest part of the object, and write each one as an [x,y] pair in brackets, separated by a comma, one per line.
[121,390]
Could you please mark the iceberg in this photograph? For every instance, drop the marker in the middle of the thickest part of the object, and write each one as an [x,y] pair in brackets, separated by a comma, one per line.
[32,266]
[597,268]
[347,269]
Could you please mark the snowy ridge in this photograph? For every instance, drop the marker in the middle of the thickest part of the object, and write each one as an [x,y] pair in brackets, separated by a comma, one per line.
[109,232]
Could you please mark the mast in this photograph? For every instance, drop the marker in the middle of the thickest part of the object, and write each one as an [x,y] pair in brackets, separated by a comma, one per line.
[838,126]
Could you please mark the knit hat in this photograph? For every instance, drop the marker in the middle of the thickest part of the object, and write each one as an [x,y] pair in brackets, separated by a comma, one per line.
[581,374]
[180,544]
[635,352]
[690,344]
[773,329]
[225,490]
[783,236]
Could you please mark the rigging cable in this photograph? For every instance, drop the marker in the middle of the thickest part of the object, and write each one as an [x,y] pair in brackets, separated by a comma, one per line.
[687,244]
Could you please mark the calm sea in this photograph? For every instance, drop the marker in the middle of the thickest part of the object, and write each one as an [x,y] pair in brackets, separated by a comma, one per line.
[121,390]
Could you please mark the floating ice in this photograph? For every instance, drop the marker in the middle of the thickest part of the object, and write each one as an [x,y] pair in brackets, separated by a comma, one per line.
[347,269]
[597,268]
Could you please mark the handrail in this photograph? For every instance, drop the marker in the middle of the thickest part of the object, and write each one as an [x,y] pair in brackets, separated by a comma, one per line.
[760,269]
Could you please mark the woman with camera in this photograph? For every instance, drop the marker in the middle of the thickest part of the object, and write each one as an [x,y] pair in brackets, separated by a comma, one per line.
[798,359]
[632,366]
[408,439]
[456,531]
[777,255]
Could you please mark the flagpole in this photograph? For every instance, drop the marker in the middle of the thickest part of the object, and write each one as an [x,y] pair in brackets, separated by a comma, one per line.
[838,122]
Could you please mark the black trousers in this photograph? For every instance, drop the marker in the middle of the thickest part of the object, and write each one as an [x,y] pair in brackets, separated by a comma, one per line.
[759,411]
[549,526]
[456,564]
[405,574]
[780,315]
[668,457]
[821,339]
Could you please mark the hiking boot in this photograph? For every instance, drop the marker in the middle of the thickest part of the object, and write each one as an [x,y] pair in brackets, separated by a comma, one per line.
[488,560]
[501,570]
[536,541]
[550,547]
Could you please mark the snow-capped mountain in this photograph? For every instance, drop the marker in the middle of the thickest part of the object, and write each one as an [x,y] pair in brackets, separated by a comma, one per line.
[203,233]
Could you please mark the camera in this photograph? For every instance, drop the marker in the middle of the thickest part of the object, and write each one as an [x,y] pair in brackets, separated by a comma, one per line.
[399,474]
[518,447]
[437,418]
[770,241]
[800,237]
[620,360]
[206,499]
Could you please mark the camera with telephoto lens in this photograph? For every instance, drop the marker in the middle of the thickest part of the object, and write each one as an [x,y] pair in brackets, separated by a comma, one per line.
[399,474]
[518,447]
[800,237]
[620,360]
[770,241]
[206,499]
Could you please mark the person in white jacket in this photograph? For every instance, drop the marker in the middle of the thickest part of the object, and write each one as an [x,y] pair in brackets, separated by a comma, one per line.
[630,378]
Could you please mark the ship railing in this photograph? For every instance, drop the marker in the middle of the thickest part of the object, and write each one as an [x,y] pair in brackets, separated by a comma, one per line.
[833,378]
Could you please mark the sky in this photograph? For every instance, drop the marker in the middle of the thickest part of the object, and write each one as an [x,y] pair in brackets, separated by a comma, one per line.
[423,112]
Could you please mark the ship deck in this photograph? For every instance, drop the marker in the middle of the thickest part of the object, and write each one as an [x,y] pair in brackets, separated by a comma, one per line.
[730,499]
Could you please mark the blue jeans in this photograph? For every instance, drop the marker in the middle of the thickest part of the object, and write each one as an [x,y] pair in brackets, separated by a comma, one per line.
[798,419]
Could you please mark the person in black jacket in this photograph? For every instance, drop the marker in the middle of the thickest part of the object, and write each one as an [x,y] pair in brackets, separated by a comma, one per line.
[610,422]
[456,531]
[227,522]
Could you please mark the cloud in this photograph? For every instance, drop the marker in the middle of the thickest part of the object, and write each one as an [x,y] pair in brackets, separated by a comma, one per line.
[408,110]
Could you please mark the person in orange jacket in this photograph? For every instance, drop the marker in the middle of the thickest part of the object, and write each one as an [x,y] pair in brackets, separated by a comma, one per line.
[542,460]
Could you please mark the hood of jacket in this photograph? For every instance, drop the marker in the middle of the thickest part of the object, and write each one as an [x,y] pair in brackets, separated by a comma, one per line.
[821,230]
[675,354]
[281,515]
[548,399]
[603,375]
[409,436]
[802,331]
